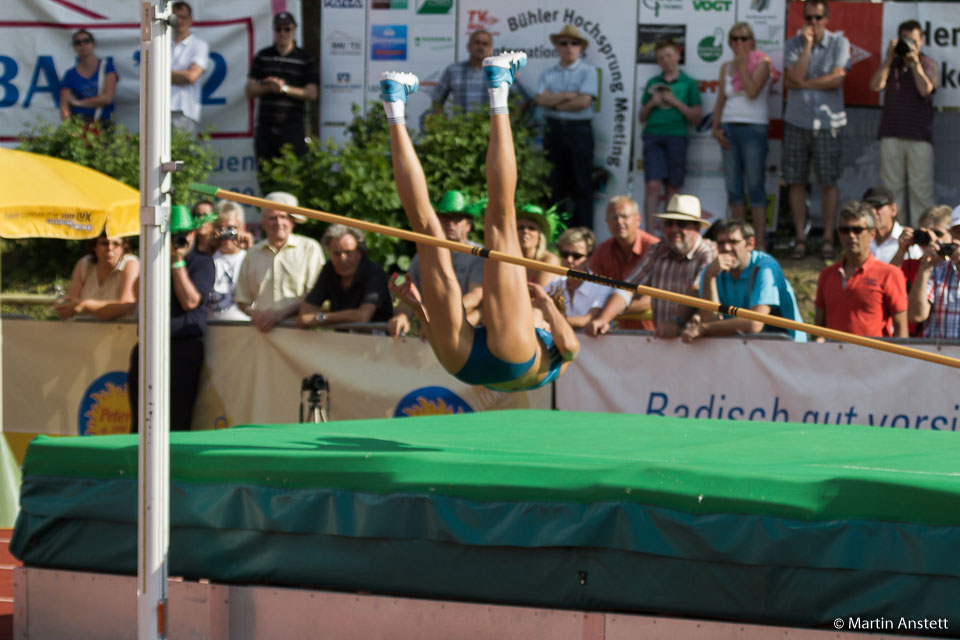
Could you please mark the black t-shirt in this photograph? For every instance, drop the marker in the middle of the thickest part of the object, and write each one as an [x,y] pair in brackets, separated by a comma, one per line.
[297,68]
[369,287]
[202,273]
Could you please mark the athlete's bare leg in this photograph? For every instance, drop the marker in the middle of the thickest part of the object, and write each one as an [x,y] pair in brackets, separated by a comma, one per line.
[507,311]
[451,336]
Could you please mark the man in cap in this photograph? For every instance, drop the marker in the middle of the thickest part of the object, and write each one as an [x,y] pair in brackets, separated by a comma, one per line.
[278,271]
[673,265]
[935,294]
[462,82]
[859,294]
[742,277]
[456,215]
[189,58]
[566,91]
[192,276]
[284,77]
[893,242]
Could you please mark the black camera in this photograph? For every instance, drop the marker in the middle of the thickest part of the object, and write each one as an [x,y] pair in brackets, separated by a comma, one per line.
[921,237]
[228,234]
[180,240]
[904,46]
[947,249]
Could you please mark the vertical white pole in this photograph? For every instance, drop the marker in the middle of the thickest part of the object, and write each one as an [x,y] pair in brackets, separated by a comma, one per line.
[153,419]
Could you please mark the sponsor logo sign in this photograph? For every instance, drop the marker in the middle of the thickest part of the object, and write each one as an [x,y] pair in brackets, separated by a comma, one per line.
[388,4]
[343,4]
[343,44]
[722,6]
[105,408]
[434,6]
[656,6]
[480,19]
[711,48]
[388,42]
[433,43]
[431,401]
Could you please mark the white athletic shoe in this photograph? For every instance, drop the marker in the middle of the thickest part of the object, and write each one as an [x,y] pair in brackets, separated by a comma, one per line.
[396,86]
[503,69]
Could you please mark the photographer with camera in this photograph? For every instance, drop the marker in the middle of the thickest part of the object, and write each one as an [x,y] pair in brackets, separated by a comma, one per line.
[893,242]
[230,243]
[935,295]
[192,274]
[908,79]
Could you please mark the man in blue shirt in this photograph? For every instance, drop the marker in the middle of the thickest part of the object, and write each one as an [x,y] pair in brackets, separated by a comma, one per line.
[742,277]
[566,91]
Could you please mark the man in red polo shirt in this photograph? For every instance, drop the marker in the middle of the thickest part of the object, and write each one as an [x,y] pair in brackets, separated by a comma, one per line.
[859,294]
[619,255]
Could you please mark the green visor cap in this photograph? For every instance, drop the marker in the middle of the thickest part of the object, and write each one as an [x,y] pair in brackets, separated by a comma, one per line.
[180,219]
[549,221]
[454,202]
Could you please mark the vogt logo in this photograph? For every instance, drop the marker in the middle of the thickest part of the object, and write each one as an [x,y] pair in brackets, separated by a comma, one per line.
[712,5]
[343,4]
[343,44]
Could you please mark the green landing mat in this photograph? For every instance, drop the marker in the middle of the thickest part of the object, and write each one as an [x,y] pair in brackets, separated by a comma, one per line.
[764,522]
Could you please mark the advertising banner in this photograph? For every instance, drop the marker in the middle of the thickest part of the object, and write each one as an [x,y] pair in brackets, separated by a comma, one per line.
[766,380]
[36,52]
[610,27]
[342,64]
[69,378]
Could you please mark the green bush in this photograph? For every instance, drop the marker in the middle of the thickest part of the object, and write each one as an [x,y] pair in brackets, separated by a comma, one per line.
[34,264]
[355,179]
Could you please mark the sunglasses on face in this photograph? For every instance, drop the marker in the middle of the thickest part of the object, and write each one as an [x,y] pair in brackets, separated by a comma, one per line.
[113,244]
[739,38]
[80,41]
[568,43]
[852,230]
[572,254]
[814,17]
[682,224]
[283,29]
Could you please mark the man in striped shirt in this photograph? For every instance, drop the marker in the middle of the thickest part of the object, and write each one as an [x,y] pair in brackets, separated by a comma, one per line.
[935,294]
[673,265]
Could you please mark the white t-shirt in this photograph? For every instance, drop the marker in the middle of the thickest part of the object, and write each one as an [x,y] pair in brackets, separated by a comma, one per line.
[885,251]
[221,304]
[589,295]
[186,97]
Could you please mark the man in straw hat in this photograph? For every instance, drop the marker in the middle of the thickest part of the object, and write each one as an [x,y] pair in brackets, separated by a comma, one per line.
[510,352]
[456,214]
[673,265]
[279,270]
[566,92]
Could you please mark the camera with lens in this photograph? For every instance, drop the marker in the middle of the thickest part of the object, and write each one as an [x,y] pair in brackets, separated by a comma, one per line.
[227,234]
[904,46]
[947,249]
[921,237]
[180,240]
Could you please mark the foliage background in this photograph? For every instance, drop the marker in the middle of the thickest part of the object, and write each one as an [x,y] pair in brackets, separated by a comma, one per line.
[356,179]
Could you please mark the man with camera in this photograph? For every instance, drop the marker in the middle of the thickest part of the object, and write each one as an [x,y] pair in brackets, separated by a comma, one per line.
[908,79]
[935,294]
[893,242]
[192,275]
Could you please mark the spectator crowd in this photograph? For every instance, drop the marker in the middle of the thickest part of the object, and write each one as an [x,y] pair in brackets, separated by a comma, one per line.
[896,275]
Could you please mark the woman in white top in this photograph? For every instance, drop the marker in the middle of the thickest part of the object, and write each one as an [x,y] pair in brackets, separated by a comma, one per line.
[740,123]
[232,242]
[103,282]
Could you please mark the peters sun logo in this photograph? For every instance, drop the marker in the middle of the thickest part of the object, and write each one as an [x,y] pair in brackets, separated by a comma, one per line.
[105,407]
[431,401]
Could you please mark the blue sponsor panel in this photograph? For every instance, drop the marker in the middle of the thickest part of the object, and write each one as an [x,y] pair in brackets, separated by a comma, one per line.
[388,42]
[105,406]
[428,401]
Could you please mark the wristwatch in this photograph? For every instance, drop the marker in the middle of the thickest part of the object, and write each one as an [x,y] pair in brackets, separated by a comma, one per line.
[320,317]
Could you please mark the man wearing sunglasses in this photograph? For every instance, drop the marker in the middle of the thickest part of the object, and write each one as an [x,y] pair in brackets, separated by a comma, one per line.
[189,58]
[893,242]
[816,63]
[566,91]
[284,77]
[859,294]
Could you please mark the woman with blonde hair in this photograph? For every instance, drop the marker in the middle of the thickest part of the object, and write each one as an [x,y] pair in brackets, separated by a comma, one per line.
[535,228]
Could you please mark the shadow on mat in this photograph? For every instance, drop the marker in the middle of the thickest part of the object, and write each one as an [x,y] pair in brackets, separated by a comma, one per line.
[367,444]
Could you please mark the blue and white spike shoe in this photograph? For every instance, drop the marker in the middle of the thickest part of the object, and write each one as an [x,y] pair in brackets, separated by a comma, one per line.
[503,68]
[396,86]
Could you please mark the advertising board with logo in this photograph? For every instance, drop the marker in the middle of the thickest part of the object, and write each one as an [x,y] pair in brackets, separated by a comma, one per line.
[36,53]
[343,58]
[610,28]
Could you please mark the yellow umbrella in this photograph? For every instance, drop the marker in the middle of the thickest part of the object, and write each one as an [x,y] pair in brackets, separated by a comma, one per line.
[44,197]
